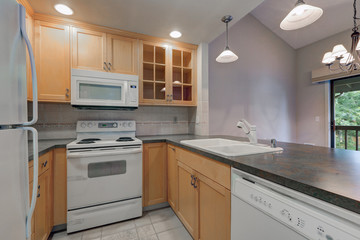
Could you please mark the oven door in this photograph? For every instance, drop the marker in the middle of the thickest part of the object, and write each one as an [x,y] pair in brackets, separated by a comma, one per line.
[98,176]
[98,92]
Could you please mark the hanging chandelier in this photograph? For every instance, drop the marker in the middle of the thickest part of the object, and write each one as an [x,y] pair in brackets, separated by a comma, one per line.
[342,60]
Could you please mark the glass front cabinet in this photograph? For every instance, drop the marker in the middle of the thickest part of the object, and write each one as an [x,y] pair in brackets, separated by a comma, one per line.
[167,75]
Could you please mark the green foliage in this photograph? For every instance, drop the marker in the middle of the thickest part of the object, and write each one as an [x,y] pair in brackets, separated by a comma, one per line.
[347,113]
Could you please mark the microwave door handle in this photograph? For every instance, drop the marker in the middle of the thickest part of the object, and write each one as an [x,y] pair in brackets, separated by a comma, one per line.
[35,179]
[102,153]
[32,64]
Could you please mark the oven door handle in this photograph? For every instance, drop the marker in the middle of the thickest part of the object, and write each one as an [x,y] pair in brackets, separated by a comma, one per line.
[102,153]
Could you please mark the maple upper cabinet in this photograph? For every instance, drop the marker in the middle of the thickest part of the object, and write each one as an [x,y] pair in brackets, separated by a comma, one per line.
[52,57]
[172,176]
[88,49]
[122,54]
[167,75]
[154,174]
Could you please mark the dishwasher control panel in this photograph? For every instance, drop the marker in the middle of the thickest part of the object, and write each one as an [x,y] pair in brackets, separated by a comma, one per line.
[307,220]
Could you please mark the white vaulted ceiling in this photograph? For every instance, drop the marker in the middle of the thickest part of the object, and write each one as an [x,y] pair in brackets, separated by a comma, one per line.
[198,20]
[337,17]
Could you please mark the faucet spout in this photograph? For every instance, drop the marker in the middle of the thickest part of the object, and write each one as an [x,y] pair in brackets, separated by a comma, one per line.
[250,130]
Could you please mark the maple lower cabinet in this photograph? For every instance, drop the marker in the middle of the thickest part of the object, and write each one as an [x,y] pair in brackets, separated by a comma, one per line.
[204,200]
[42,215]
[187,199]
[60,186]
[154,174]
[52,57]
[122,54]
[214,209]
[172,176]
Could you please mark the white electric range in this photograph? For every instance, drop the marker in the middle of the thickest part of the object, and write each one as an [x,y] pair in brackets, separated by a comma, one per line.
[104,174]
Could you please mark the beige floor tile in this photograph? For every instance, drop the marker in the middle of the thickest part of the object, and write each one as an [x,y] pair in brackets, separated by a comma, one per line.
[161,215]
[144,220]
[175,234]
[117,227]
[124,235]
[170,223]
[152,237]
[92,234]
[146,230]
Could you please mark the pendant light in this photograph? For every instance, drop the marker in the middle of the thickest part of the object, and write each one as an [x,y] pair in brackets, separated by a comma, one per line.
[227,56]
[301,16]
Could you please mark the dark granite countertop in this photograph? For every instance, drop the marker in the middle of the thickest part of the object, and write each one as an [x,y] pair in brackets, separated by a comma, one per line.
[47,145]
[332,175]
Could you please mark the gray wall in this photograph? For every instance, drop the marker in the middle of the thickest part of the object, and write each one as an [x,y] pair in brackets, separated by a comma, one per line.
[312,122]
[259,87]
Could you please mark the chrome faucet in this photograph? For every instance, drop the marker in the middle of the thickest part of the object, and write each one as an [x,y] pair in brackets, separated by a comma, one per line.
[250,130]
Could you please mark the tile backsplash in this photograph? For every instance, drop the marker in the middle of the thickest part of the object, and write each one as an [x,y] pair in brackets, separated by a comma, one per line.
[59,120]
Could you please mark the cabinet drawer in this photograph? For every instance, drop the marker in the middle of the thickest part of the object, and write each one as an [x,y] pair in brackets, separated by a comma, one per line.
[217,171]
[44,162]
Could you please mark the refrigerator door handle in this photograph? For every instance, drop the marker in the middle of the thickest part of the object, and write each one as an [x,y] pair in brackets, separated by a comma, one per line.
[35,180]
[32,64]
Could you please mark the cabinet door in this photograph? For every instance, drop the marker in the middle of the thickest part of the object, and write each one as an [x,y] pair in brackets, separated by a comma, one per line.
[187,207]
[214,210]
[172,176]
[41,218]
[122,54]
[154,174]
[183,77]
[154,74]
[60,186]
[52,57]
[88,49]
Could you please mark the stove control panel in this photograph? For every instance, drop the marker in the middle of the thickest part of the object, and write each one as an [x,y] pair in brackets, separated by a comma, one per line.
[105,126]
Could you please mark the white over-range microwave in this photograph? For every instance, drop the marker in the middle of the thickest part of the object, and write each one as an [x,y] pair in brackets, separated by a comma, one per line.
[104,90]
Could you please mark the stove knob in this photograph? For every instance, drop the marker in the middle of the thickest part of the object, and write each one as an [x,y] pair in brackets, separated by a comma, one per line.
[115,125]
[83,125]
[130,124]
[90,125]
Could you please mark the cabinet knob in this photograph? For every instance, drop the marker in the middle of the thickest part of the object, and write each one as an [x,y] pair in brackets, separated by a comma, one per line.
[67,93]
[167,97]
[171,97]
[110,66]
[106,65]
[38,195]
[192,180]
[195,180]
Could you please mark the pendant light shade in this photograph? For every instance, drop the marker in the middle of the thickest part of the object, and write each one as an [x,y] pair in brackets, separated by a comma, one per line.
[227,56]
[301,16]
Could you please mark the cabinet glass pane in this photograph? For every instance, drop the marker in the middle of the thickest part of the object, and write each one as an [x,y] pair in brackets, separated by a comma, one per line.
[160,55]
[103,169]
[176,75]
[160,73]
[187,96]
[148,71]
[160,91]
[187,76]
[148,90]
[186,59]
[94,91]
[148,53]
[176,57]
[177,92]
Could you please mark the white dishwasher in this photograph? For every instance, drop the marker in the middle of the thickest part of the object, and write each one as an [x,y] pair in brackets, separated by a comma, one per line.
[263,210]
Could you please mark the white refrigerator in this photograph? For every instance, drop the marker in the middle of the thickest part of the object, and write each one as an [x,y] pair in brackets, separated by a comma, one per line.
[15,207]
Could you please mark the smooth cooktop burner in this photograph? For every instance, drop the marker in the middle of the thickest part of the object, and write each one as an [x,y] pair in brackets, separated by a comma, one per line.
[88,140]
[124,139]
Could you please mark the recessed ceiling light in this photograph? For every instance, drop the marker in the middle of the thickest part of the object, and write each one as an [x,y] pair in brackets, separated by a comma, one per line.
[175,34]
[63,9]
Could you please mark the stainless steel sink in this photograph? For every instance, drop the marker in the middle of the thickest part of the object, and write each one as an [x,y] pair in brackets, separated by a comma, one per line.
[230,148]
